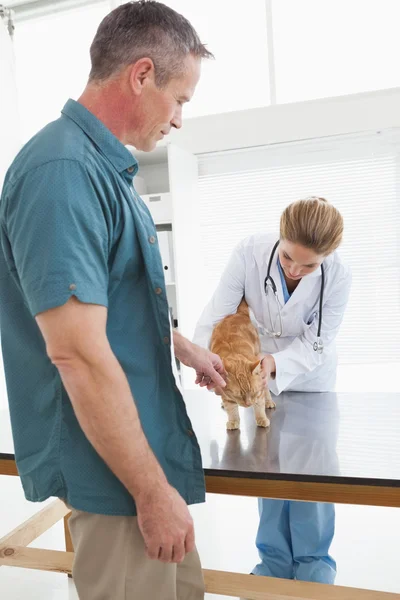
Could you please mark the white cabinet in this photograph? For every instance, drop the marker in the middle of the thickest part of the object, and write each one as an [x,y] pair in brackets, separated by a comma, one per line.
[170,174]
[160,206]
[165,242]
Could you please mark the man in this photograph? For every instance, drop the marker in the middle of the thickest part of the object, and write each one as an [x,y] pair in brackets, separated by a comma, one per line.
[97,417]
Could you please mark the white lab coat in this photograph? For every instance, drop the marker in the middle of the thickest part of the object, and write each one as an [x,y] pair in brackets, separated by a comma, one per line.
[298,366]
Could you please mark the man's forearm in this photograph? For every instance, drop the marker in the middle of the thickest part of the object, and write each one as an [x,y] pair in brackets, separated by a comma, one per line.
[209,369]
[183,348]
[104,406]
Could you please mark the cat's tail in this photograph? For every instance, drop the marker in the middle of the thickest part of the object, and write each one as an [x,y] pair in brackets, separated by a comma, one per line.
[243,307]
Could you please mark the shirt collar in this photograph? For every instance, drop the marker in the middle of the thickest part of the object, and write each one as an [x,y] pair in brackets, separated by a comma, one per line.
[118,155]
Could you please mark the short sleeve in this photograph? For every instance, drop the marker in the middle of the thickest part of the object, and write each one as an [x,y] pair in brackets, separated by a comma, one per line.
[58,236]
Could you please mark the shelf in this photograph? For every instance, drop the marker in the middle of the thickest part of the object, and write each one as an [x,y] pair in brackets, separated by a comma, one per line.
[157,156]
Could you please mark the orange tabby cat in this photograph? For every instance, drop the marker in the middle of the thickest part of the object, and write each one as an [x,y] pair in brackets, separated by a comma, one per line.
[236,341]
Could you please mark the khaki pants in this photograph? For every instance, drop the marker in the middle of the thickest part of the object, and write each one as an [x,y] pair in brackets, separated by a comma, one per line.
[111,564]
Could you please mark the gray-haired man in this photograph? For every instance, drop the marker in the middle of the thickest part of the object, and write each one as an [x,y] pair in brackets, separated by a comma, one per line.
[97,417]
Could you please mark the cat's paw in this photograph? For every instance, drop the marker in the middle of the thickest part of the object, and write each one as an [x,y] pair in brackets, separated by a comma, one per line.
[231,425]
[263,422]
[270,403]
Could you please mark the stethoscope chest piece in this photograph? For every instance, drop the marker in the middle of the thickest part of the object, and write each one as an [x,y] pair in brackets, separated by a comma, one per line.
[318,346]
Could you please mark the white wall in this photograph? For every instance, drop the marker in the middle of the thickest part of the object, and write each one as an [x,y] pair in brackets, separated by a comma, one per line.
[281,123]
[9,130]
[9,121]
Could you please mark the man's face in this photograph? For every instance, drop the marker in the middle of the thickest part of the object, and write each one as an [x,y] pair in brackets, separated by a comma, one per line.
[160,109]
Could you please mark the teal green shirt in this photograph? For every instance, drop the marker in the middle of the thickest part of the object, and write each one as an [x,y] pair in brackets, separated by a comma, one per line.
[71,224]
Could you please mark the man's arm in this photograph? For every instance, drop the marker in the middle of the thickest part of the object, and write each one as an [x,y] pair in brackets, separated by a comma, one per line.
[209,369]
[76,342]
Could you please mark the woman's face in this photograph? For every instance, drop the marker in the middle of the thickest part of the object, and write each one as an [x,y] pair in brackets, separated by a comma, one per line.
[298,261]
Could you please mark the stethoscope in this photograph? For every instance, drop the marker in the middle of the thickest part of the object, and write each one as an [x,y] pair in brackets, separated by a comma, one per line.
[268,281]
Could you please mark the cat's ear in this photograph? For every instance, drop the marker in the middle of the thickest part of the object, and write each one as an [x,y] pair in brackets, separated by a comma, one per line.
[256,368]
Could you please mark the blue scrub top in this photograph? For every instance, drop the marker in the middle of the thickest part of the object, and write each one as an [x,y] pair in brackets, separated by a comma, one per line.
[286,294]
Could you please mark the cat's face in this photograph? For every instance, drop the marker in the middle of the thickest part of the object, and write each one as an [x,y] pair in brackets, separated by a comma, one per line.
[244,382]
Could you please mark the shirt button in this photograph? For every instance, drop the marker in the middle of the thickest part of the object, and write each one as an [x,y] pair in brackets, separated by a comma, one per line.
[166,340]
[152,239]
[72,287]
[190,432]
[158,291]
[130,169]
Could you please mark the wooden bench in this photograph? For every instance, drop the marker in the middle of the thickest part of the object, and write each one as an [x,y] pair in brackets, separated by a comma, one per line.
[14,552]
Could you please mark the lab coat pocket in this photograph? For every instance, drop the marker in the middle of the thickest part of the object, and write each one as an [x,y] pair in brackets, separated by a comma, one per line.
[307,323]
[297,324]
[313,317]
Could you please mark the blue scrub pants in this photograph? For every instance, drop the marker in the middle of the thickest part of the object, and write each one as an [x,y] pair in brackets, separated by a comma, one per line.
[293,540]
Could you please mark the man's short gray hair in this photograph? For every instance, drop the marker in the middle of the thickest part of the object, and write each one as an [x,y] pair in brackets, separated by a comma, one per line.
[144,29]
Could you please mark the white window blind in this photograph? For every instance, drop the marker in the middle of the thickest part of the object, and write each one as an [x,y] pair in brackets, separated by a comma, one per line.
[245,191]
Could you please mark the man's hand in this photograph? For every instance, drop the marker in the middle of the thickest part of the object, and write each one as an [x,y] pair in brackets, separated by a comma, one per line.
[209,369]
[166,524]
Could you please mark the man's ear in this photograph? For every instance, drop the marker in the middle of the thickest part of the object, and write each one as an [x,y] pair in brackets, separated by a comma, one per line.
[141,72]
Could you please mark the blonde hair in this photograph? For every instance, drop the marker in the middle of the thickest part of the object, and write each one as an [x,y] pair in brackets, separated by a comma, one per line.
[312,223]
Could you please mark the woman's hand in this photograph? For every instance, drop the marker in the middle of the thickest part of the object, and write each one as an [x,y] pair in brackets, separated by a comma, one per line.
[268,368]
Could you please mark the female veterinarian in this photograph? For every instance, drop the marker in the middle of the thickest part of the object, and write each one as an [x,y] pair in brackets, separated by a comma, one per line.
[297,289]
